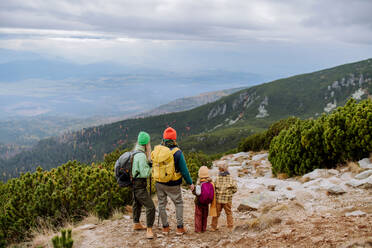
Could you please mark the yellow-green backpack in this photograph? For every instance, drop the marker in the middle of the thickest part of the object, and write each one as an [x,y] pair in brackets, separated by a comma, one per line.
[163,167]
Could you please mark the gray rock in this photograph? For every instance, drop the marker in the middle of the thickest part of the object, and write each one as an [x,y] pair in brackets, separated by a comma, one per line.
[254,202]
[233,163]
[354,183]
[86,227]
[365,163]
[336,190]
[367,183]
[260,156]
[364,174]
[317,173]
[333,172]
[355,213]
[364,183]
[304,196]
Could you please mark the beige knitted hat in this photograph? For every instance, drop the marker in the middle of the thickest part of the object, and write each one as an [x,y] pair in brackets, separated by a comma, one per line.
[203,172]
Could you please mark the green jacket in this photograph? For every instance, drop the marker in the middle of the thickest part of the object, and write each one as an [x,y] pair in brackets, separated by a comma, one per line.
[141,168]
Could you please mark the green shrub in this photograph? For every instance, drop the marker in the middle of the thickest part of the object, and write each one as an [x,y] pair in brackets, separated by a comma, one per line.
[348,132]
[194,161]
[255,142]
[323,143]
[68,192]
[299,149]
[261,141]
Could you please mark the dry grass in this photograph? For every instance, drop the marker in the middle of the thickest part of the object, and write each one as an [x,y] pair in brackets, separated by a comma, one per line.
[44,232]
[90,219]
[272,214]
[268,220]
[116,215]
[253,223]
[361,242]
[304,179]
[354,167]
[282,176]
[261,223]
[260,171]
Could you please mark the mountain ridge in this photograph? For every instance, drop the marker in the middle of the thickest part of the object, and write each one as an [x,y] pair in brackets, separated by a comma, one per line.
[306,95]
[187,103]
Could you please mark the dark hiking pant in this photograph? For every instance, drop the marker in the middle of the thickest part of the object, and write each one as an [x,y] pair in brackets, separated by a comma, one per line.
[142,198]
[201,217]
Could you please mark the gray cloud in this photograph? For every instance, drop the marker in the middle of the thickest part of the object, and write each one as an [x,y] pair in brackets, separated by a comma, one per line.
[232,20]
[191,34]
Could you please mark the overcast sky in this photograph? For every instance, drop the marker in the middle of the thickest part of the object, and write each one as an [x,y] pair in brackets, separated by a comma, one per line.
[258,36]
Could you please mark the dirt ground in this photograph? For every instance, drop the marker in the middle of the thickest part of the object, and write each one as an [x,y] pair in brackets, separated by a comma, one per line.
[334,230]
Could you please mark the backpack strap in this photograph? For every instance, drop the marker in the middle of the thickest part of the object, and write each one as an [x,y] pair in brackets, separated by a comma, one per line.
[131,161]
[174,150]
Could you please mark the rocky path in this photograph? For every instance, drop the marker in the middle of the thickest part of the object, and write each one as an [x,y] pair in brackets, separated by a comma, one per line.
[325,208]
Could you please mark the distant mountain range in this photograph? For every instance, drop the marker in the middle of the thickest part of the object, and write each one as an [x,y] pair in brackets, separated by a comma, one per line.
[25,132]
[213,127]
[187,103]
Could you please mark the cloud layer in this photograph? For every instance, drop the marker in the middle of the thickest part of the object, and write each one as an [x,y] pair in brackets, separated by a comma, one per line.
[178,33]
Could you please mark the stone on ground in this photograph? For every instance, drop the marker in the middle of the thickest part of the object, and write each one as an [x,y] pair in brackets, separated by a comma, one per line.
[336,190]
[365,163]
[255,202]
[355,213]
[364,183]
[364,174]
[260,156]
[319,173]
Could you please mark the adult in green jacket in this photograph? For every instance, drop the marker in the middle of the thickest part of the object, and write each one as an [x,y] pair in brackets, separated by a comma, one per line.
[141,170]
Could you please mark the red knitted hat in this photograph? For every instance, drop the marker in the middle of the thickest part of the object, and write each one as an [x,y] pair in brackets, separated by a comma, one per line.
[170,133]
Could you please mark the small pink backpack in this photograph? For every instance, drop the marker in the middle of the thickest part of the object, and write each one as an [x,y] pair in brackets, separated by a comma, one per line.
[207,193]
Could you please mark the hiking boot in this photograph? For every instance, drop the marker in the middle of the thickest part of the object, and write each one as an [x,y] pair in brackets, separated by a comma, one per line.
[180,231]
[138,227]
[149,233]
[166,230]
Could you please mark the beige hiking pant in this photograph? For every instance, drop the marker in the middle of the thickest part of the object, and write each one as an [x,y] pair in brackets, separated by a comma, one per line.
[228,212]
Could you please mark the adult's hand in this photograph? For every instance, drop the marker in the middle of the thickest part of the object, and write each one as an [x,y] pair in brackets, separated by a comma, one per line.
[192,187]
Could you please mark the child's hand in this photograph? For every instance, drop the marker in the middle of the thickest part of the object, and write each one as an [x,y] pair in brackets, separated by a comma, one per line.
[192,187]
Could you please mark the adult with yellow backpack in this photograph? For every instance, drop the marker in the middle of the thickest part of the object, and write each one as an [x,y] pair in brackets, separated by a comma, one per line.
[169,167]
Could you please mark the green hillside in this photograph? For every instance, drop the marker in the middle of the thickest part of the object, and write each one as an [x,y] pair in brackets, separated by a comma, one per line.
[213,127]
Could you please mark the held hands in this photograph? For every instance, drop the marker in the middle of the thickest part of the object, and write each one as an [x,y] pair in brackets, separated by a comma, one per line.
[192,187]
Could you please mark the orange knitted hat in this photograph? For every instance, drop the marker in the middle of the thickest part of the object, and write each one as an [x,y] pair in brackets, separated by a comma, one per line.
[170,133]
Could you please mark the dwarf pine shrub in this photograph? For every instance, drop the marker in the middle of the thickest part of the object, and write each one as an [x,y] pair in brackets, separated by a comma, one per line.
[68,192]
[345,134]
[261,141]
